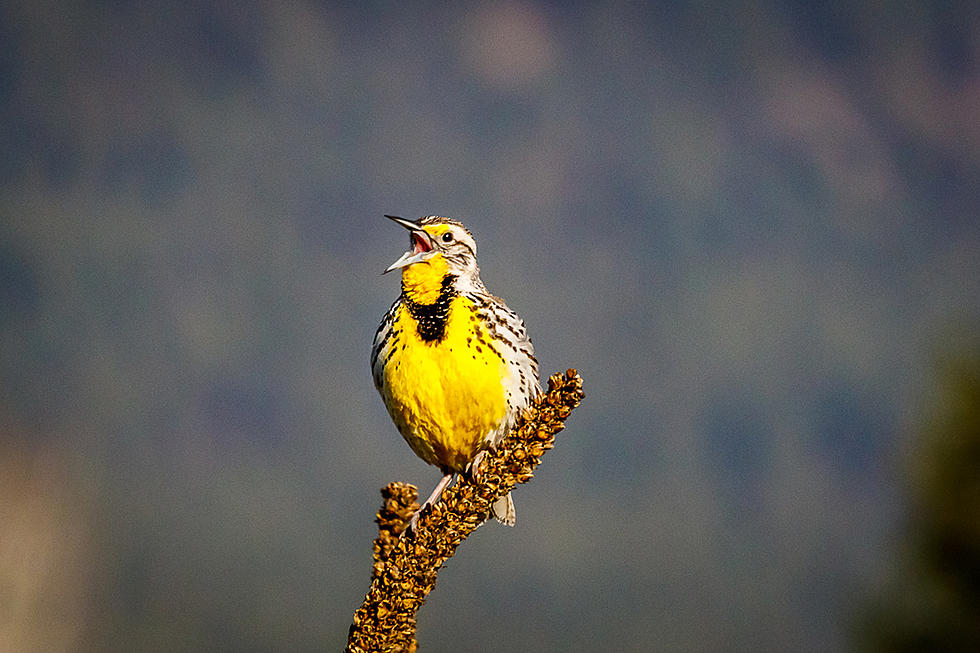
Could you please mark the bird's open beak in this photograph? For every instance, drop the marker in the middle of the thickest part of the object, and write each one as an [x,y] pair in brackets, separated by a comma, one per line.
[422,248]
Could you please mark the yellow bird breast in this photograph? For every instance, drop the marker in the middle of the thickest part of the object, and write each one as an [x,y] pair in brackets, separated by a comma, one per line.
[445,396]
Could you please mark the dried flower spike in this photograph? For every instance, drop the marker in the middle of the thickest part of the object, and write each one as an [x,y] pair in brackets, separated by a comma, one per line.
[405,567]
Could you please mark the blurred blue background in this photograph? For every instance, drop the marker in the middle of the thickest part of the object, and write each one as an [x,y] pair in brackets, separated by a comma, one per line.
[750,227]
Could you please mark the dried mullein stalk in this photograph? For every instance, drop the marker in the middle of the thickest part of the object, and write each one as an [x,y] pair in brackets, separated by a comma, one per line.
[405,567]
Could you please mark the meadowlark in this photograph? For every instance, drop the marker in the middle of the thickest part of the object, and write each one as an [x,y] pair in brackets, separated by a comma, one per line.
[453,364]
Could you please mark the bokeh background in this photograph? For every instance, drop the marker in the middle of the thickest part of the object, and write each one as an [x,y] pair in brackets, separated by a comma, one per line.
[752,227]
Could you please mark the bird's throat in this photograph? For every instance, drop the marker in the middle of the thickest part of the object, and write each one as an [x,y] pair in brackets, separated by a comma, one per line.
[431,315]
[422,282]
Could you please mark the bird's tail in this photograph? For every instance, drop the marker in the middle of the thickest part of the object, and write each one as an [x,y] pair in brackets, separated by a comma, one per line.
[503,510]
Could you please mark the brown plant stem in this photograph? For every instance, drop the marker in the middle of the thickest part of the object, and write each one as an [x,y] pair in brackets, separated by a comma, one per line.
[405,568]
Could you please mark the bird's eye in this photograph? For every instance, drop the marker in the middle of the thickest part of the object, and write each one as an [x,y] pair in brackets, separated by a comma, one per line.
[447,237]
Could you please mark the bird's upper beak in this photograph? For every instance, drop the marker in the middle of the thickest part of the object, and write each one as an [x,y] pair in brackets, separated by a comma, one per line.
[422,247]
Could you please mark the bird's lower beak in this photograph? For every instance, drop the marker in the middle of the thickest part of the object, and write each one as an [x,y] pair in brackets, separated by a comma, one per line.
[408,258]
[422,248]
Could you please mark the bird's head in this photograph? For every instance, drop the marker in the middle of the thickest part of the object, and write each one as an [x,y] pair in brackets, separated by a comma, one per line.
[440,246]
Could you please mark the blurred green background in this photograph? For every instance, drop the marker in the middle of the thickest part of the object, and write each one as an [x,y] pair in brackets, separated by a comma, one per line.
[752,227]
